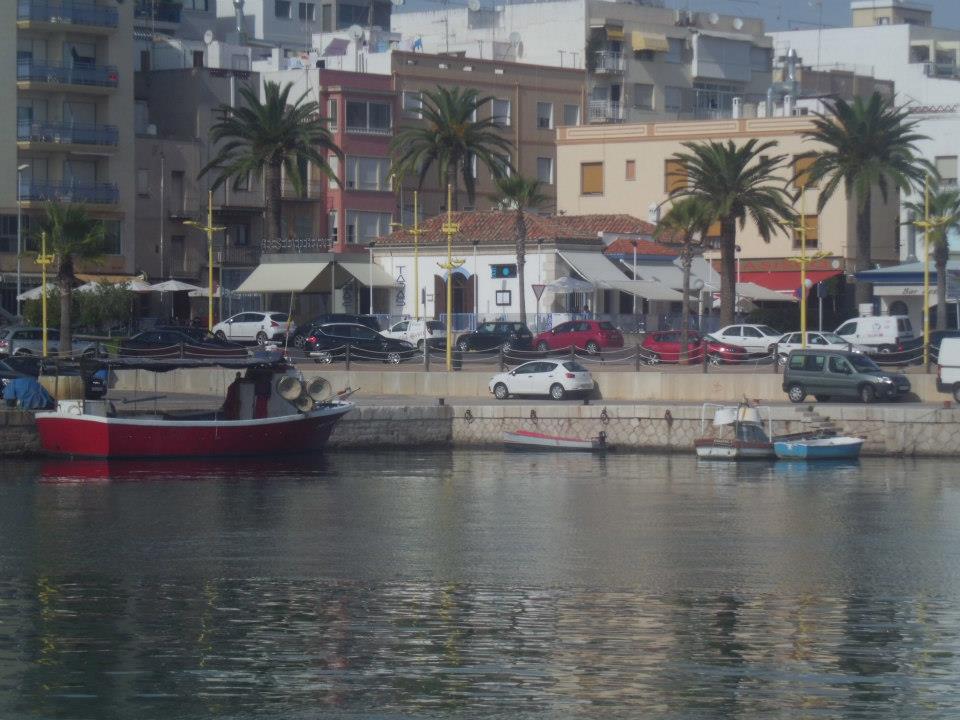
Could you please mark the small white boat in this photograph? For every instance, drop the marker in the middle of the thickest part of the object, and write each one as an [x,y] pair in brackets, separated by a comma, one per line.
[736,433]
[529,440]
[840,447]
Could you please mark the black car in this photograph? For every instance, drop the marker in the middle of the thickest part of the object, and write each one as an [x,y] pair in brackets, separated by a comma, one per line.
[305,330]
[164,341]
[495,335]
[328,342]
[94,379]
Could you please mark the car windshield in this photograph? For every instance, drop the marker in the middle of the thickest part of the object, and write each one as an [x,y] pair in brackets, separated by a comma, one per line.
[574,366]
[279,317]
[863,363]
[607,325]
[767,330]
[833,339]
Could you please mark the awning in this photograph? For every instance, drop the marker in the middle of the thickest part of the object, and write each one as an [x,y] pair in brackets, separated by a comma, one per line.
[648,41]
[369,274]
[614,33]
[598,269]
[284,277]
[786,281]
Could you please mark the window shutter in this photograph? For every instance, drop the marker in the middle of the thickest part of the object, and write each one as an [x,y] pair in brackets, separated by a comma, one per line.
[591,178]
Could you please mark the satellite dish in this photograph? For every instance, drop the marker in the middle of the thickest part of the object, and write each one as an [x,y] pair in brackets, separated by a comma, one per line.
[714,18]
[355,32]
[473,5]
[208,37]
[398,3]
[738,24]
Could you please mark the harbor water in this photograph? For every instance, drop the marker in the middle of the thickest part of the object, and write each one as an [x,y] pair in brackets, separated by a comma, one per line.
[479,584]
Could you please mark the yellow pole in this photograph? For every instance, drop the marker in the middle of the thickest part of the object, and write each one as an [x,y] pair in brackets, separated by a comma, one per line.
[803,269]
[209,228]
[450,228]
[926,271]
[43,260]
[416,232]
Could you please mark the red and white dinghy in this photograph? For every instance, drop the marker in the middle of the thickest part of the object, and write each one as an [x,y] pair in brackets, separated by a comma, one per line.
[529,440]
[267,411]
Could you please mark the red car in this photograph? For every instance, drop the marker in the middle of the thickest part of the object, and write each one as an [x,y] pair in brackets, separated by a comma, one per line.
[664,346]
[590,335]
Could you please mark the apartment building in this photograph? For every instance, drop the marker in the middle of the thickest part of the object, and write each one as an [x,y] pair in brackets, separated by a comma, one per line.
[71,100]
[615,169]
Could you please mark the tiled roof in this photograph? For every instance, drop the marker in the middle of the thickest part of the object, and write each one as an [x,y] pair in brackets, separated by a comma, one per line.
[489,227]
[623,246]
[614,224]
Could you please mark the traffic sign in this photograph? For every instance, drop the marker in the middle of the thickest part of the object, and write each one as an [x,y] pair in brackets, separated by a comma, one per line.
[538,290]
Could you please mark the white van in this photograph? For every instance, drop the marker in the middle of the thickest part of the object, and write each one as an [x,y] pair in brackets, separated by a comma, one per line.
[948,367]
[878,333]
[418,332]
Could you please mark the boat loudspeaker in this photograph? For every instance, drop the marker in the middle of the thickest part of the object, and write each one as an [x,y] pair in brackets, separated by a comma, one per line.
[319,389]
[290,388]
[304,403]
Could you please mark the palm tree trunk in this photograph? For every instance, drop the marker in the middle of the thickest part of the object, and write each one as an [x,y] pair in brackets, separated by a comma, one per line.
[521,230]
[65,282]
[940,255]
[864,290]
[728,270]
[271,211]
[686,260]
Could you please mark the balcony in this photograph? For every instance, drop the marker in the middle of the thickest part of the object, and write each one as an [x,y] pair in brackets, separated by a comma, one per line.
[158,10]
[82,75]
[67,133]
[65,12]
[608,63]
[239,255]
[70,192]
[604,111]
[309,191]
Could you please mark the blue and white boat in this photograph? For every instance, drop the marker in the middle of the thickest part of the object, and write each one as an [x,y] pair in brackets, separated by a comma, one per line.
[839,447]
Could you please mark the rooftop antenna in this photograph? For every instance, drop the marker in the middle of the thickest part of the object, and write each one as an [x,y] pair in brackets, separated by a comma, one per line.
[819,5]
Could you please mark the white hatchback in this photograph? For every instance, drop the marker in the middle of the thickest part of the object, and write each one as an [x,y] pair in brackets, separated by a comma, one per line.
[554,378]
[417,332]
[259,327]
[815,341]
[752,338]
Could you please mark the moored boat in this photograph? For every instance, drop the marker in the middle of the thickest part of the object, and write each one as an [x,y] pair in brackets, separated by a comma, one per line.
[267,410]
[736,433]
[529,440]
[840,447]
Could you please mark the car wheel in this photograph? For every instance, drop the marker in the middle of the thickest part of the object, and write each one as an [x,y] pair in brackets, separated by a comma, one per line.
[463,345]
[796,393]
[653,359]
[781,360]
[867,393]
[771,350]
[714,359]
[956,392]
[506,346]
[500,391]
[324,358]
[885,350]
[542,346]
[557,392]
[261,338]
[221,335]
[299,341]
[393,358]
[420,345]
[822,398]
[592,348]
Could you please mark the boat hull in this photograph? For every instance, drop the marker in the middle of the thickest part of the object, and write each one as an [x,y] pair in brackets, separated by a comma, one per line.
[838,448]
[526,440]
[87,436]
[709,449]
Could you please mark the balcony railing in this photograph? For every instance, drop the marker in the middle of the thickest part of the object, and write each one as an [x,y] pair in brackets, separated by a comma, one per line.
[80,74]
[158,10]
[65,11]
[369,130]
[608,63]
[604,111]
[239,255]
[71,192]
[67,133]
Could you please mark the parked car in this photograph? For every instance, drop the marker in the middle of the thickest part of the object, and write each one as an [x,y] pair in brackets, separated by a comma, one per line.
[22,366]
[815,341]
[590,335]
[259,327]
[911,351]
[755,339]
[328,342]
[830,374]
[418,332]
[497,334]
[878,333]
[665,346]
[555,378]
[948,367]
[22,340]
[163,341]
[304,330]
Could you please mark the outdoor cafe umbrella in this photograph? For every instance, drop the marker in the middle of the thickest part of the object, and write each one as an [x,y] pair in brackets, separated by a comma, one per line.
[135,285]
[36,293]
[173,286]
[568,285]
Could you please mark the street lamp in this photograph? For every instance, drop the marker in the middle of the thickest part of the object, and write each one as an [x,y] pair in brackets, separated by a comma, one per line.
[416,231]
[450,228]
[20,169]
[210,229]
[800,226]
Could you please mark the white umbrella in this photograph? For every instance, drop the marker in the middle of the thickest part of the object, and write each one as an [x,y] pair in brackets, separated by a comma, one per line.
[202,293]
[135,285]
[567,285]
[36,293]
[173,286]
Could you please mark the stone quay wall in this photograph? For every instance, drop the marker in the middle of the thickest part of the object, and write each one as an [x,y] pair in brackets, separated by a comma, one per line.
[18,433]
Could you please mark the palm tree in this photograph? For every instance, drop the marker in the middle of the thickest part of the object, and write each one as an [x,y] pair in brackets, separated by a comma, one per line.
[72,236]
[688,219]
[734,182]
[869,144]
[267,138]
[945,214]
[519,194]
[450,137]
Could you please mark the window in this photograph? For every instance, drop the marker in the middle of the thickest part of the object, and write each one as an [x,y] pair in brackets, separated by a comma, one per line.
[674,50]
[571,115]
[643,96]
[673,98]
[883,21]
[332,113]
[348,15]
[501,112]
[202,5]
[368,117]
[111,238]
[308,11]
[334,162]
[198,58]
[545,170]
[412,103]
[332,228]
[362,227]
[8,232]
[326,18]
[143,182]
[591,178]
[630,170]
[503,164]
[545,115]
[368,173]
[281,8]
[813,235]
[674,176]
[760,59]
[801,170]
[503,298]
[242,182]
[946,167]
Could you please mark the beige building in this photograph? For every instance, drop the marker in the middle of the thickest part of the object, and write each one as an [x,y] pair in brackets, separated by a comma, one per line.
[620,168]
[866,13]
[71,101]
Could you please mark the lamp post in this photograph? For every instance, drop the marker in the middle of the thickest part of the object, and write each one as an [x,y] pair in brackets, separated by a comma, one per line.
[416,231]
[20,169]
[209,228]
[634,243]
[370,287]
[803,260]
[43,260]
[450,228]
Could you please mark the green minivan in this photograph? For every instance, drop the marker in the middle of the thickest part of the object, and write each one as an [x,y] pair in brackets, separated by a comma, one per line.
[827,374]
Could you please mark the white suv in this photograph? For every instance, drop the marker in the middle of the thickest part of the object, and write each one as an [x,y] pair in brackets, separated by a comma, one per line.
[757,339]
[417,332]
[259,327]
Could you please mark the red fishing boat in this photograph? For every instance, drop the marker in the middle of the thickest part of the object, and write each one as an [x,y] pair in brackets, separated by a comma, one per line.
[268,410]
